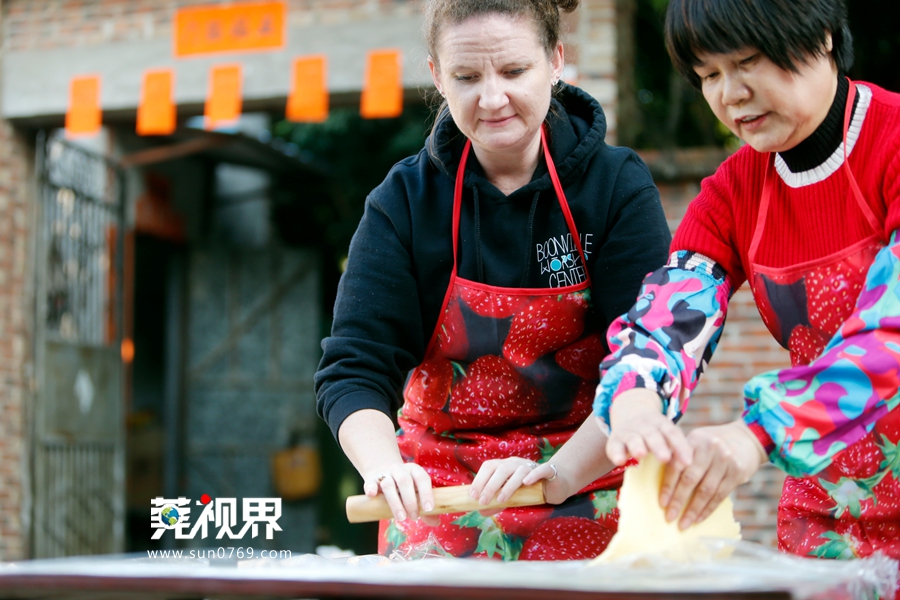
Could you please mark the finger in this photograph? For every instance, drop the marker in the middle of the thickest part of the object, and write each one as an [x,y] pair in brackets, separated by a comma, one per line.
[671,474]
[371,488]
[678,443]
[407,490]
[615,451]
[513,483]
[687,483]
[544,471]
[636,446]
[498,479]
[658,445]
[490,512]
[422,481]
[708,487]
[392,496]
[482,477]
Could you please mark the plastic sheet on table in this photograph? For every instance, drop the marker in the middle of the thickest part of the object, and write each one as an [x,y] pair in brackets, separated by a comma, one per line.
[747,565]
[711,566]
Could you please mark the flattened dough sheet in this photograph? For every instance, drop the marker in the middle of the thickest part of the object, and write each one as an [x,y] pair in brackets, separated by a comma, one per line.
[643,528]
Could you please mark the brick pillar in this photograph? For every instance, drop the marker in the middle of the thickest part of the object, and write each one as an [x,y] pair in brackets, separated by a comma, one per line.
[15,316]
[596,55]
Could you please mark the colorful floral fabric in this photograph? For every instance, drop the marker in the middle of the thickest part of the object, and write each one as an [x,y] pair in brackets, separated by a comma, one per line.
[665,341]
[812,412]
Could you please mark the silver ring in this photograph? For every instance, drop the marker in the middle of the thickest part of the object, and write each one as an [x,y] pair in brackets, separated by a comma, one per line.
[555,472]
[381,478]
[533,465]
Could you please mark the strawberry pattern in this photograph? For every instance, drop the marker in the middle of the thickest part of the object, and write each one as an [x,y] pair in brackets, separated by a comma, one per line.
[459,412]
[508,372]
[832,420]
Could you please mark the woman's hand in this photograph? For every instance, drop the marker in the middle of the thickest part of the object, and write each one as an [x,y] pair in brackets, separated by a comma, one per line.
[405,486]
[367,437]
[500,478]
[638,427]
[724,457]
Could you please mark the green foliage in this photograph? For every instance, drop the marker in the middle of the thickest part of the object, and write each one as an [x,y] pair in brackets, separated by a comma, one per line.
[670,111]
[356,154]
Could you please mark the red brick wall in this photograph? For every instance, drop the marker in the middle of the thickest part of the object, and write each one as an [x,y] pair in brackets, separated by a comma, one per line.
[746,348]
[15,316]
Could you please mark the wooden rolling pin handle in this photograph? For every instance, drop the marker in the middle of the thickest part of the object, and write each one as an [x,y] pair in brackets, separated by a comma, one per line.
[362,509]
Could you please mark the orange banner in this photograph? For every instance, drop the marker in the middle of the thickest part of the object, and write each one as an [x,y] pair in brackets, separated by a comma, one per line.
[223,100]
[308,100]
[230,28]
[84,116]
[382,95]
[156,111]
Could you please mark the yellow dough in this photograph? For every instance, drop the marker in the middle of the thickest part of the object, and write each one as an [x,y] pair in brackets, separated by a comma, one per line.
[643,528]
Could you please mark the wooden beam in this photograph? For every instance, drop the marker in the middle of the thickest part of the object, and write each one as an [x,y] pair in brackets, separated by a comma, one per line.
[172,151]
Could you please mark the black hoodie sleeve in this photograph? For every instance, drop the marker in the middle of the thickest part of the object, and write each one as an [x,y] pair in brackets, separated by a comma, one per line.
[637,240]
[377,334]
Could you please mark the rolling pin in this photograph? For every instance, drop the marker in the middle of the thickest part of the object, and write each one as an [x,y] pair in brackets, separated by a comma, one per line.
[452,499]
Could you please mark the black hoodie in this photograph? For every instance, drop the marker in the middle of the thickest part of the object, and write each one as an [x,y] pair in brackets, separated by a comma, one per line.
[400,258]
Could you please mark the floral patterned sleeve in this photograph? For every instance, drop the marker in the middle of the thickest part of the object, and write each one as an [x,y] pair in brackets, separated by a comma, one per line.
[805,415]
[664,342]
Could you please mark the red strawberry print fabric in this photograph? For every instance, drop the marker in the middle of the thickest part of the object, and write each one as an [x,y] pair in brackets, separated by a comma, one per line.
[508,373]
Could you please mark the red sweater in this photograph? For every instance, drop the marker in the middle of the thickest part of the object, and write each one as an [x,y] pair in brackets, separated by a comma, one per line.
[817,217]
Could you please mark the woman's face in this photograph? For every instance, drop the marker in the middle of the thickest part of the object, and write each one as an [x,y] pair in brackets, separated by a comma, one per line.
[768,107]
[497,79]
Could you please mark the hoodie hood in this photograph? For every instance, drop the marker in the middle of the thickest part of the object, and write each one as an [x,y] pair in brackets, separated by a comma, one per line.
[577,129]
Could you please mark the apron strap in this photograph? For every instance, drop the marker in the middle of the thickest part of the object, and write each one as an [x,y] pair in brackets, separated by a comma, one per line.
[457,200]
[876,225]
[563,203]
[557,186]
[769,185]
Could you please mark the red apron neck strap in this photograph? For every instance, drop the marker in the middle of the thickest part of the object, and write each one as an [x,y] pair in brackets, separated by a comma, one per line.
[557,186]
[457,199]
[768,184]
[874,223]
[563,202]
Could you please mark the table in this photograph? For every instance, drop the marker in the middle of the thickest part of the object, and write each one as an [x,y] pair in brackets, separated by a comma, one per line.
[751,572]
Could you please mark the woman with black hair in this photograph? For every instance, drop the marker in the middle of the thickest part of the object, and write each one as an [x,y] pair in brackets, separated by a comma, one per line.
[807,213]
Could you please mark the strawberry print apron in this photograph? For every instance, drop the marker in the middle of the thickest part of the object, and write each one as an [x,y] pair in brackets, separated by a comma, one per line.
[850,509]
[508,372]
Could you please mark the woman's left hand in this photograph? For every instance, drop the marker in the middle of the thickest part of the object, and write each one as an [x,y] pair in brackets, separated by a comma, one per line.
[724,457]
[499,478]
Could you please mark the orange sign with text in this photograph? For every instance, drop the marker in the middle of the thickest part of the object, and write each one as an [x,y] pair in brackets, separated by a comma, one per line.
[83,116]
[308,100]
[223,100]
[230,28]
[156,111]
[382,95]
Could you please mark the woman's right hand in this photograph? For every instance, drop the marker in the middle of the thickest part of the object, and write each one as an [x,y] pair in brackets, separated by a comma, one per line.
[367,437]
[405,486]
[638,428]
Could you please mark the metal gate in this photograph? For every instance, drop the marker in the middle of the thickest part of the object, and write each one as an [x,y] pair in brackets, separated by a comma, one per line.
[78,437]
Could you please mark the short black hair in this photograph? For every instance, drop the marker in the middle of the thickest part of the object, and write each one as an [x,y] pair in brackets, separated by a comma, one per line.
[788,32]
